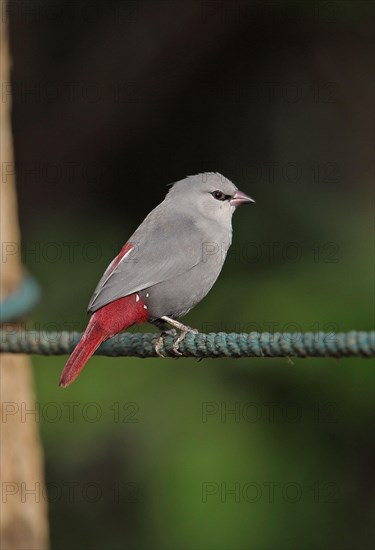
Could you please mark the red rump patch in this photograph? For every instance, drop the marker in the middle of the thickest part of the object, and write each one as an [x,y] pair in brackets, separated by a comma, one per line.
[120,314]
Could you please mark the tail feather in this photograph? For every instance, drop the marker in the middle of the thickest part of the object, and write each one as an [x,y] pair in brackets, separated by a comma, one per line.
[90,341]
[104,323]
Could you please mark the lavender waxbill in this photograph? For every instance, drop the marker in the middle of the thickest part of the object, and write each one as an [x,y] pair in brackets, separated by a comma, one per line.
[166,267]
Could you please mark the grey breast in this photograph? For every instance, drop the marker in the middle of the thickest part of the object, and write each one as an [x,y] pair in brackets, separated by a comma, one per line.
[176,296]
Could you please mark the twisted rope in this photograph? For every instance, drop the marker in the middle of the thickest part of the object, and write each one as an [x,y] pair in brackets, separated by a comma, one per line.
[221,344]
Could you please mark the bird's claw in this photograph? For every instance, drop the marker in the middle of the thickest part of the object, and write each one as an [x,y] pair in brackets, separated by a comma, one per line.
[180,338]
[160,342]
[176,343]
[158,346]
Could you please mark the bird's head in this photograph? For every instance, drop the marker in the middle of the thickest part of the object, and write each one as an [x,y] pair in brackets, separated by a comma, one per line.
[210,194]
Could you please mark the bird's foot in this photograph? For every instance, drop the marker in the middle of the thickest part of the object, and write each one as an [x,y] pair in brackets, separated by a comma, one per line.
[160,341]
[184,330]
[180,338]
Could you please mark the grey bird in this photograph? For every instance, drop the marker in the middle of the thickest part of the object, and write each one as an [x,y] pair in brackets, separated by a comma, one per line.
[166,267]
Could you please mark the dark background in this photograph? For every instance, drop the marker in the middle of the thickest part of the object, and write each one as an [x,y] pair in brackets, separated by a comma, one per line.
[111,102]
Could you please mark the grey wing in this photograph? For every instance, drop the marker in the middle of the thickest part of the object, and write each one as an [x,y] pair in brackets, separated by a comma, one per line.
[161,250]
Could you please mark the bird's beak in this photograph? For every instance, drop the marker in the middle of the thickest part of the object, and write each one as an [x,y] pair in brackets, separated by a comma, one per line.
[240,198]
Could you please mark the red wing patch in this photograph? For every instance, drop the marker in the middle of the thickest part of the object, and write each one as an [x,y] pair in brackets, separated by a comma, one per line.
[125,249]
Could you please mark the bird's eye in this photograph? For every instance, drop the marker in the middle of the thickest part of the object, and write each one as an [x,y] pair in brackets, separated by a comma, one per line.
[219,195]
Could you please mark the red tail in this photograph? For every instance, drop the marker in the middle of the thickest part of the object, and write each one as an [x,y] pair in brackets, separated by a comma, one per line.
[104,323]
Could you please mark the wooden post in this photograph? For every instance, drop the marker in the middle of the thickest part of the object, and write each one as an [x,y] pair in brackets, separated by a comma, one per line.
[23,517]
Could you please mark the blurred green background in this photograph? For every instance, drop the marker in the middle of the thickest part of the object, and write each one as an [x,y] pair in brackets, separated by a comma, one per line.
[114,100]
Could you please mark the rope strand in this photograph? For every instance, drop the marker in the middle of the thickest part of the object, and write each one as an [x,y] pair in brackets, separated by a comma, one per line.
[221,344]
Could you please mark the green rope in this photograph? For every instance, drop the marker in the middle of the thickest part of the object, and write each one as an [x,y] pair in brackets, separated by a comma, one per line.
[221,344]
